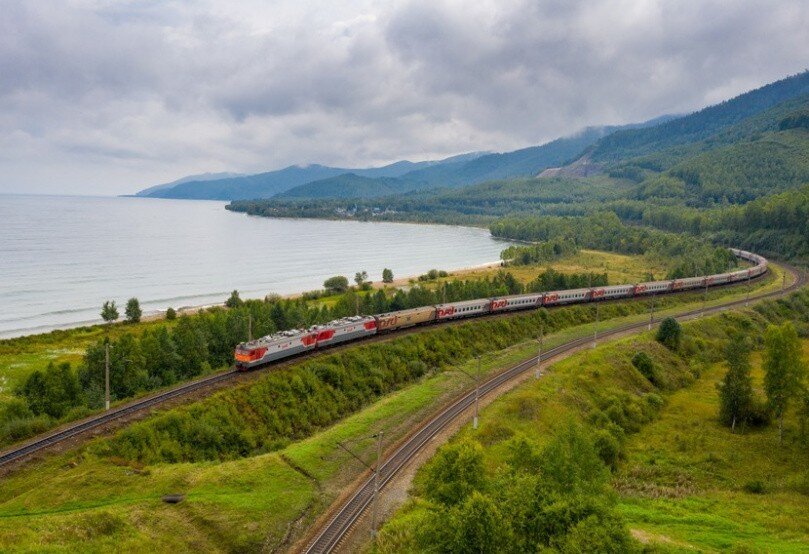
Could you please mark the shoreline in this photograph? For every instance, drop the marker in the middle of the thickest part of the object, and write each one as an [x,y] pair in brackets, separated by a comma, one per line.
[158,315]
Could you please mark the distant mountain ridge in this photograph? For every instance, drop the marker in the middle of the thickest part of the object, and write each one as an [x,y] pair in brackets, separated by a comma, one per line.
[270,183]
[201,177]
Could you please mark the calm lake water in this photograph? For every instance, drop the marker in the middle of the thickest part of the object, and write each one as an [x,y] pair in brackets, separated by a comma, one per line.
[61,257]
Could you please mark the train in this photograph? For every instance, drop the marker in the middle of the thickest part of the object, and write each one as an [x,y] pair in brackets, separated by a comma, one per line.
[285,344]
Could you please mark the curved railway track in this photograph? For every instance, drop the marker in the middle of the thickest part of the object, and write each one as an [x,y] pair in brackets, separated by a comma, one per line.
[329,537]
[39,444]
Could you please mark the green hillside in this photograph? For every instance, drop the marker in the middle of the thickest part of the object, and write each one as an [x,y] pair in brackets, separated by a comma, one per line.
[348,185]
[699,125]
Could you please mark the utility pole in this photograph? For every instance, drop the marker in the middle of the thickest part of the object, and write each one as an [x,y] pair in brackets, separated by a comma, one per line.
[651,311]
[784,282]
[107,376]
[705,297]
[595,329]
[476,379]
[249,327]
[747,300]
[477,396]
[375,469]
[357,303]
[376,483]
[539,356]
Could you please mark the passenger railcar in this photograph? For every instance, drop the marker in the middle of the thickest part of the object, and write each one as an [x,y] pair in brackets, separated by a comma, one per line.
[559,297]
[516,302]
[404,318]
[467,308]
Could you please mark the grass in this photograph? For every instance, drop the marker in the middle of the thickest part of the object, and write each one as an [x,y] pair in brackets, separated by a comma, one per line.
[736,490]
[620,268]
[77,501]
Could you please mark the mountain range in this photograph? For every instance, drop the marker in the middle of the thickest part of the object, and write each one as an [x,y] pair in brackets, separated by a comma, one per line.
[319,181]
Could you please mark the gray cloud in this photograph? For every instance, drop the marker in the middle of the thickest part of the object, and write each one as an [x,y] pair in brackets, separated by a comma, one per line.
[99,97]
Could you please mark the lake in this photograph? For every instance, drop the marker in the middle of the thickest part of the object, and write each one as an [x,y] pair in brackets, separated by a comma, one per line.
[61,257]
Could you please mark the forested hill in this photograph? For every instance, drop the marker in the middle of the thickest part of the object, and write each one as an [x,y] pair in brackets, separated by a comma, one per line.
[348,185]
[699,125]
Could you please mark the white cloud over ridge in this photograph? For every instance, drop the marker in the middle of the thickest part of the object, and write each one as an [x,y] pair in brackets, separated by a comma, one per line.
[105,98]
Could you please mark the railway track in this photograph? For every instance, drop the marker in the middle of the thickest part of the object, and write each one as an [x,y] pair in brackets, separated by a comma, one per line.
[329,537]
[39,444]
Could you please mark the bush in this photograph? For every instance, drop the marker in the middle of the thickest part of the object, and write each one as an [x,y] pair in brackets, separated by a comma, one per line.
[608,448]
[644,364]
[171,314]
[670,333]
[755,487]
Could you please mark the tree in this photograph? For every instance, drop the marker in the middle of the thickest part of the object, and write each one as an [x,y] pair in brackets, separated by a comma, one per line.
[783,370]
[360,277]
[52,391]
[670,333]
[736,389]
[336,284]
[480,526]
[133,311]
[387,275]
[233,301]
[455,472]
[171,314]
[109,312]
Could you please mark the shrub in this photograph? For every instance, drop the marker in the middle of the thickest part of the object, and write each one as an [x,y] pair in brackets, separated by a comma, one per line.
[755,487]
[643,363]
[171,314]
[670,333]
[608,447]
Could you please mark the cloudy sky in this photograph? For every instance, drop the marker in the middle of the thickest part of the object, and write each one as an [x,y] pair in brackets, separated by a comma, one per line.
[100,97]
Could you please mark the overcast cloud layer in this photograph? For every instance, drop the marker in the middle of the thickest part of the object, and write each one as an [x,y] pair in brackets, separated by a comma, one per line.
[101,97]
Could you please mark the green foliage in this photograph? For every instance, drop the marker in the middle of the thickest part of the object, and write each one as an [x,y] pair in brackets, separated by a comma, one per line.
[644,364]
[604,231]
[798,120]
[233,300]
[387,275]
[171,314]
[538,253]
[479,526]
[784,370]
[736,398]
[670,333]
[360,278]
[556,498]
[52,392]
[133,312]
[455,473]
[109,312]
[336,284]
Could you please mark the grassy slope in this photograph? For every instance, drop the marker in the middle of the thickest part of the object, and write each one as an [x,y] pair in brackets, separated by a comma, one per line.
[683,481]
[76,500]
[681,484]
